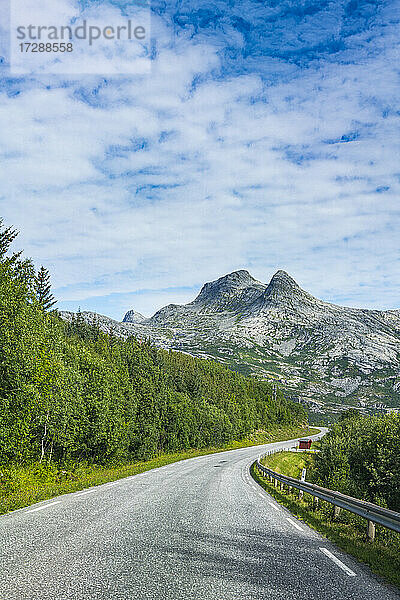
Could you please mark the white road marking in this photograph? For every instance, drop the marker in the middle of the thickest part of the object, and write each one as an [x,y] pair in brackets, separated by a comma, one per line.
[273,506]
[338,562]
[294,524]
[43,507]
[85,492]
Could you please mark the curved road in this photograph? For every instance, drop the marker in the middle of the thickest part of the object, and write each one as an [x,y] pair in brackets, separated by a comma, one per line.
[200,529]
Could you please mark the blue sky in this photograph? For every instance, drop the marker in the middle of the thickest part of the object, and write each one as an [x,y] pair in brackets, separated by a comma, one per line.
[265,137]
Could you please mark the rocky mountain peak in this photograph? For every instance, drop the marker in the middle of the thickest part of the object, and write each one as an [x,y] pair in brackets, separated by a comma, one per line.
[283,280]
[132,316]
[230,292]
[283,289]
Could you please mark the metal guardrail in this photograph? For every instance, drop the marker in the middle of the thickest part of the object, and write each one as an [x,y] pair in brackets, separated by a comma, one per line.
[372,512]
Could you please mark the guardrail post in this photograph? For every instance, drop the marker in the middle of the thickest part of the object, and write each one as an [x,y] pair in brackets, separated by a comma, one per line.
[371,531]
[303,478]
[336,512]
[371,512]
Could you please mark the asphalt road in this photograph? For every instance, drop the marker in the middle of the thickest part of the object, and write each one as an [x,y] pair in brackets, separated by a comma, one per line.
[200,529]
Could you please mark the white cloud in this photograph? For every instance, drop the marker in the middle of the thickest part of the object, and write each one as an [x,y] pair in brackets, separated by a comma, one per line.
[169,180]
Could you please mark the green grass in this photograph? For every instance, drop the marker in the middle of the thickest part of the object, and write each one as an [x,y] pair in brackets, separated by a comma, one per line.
[288,463]
[348,531]
[22,486]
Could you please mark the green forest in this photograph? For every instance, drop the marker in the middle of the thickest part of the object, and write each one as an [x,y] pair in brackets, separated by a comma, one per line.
[360,456]
[68,392]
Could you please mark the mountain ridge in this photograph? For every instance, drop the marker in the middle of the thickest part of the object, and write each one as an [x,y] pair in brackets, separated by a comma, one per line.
[325,355]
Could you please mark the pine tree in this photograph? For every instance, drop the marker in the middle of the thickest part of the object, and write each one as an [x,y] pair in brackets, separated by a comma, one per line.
[43,289]
[7,236]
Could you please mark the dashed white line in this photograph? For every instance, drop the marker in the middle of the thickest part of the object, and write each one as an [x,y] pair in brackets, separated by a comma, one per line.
[85,492]
[273,506]
[338,562]
[294,524]
[43,507]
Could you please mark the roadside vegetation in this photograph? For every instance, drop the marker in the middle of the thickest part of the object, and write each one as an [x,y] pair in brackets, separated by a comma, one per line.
[359,456]
[77,405]
[22,485]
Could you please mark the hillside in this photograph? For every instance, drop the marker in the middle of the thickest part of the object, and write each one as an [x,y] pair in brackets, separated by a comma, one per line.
[326,356]
[69,392]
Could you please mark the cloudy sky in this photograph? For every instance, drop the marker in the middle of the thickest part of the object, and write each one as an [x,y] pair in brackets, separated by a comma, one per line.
[265,136]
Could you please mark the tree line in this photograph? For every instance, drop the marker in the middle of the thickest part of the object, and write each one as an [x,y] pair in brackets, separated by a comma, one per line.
[360,456]
[69,392]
